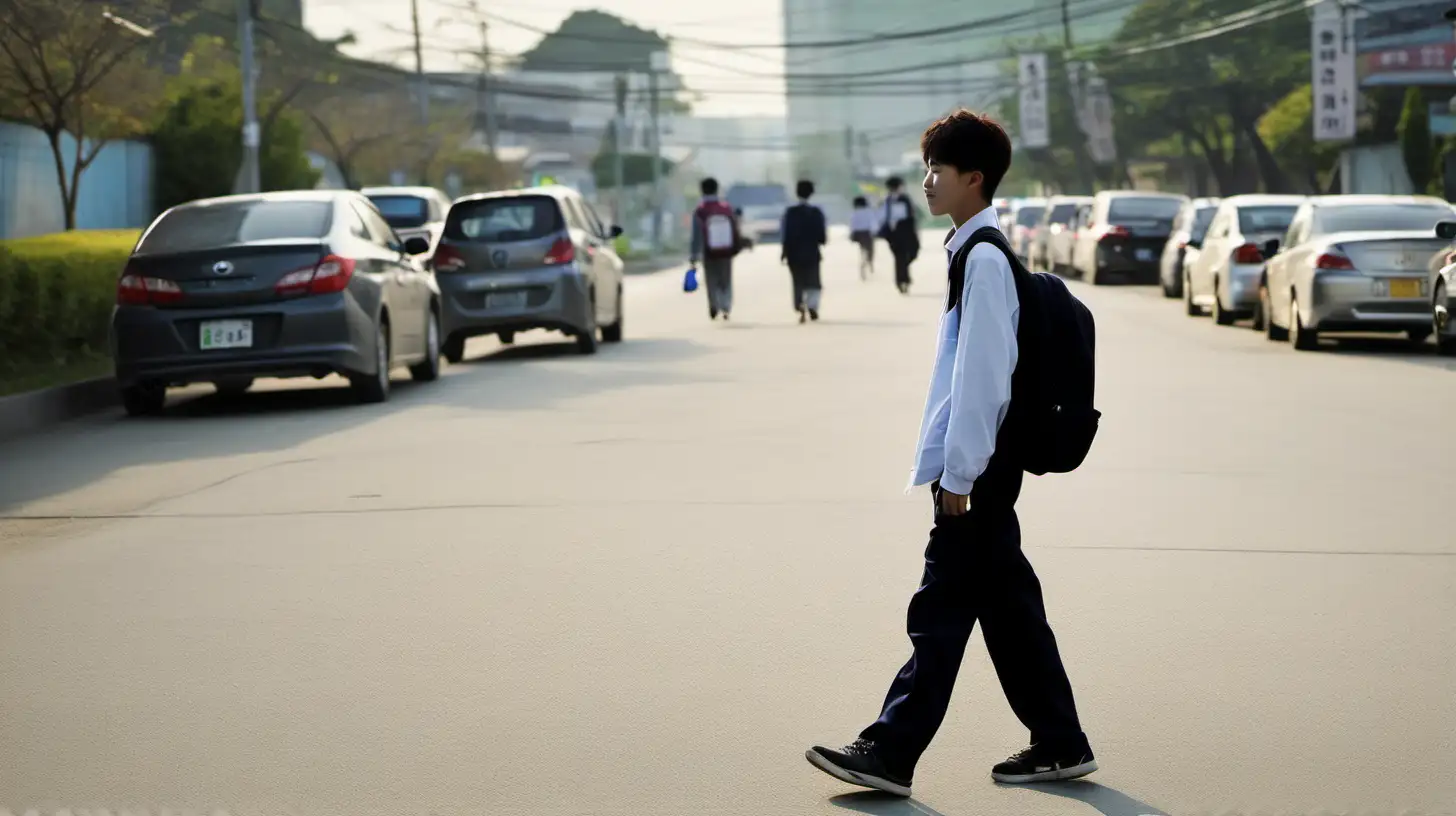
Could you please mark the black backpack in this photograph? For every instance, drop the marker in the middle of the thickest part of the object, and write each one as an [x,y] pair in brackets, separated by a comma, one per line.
[1051,422]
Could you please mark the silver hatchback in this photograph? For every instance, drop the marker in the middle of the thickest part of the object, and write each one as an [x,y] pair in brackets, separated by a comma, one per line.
[518,260]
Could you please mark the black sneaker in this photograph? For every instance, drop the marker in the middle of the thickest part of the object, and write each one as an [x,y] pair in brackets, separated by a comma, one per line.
[712,314]
[1038,764]
[859,764]
[814,314]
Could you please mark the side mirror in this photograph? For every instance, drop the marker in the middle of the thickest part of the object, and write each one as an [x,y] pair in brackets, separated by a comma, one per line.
[1446,229]
[615,231]
[417,246]
[1271,247]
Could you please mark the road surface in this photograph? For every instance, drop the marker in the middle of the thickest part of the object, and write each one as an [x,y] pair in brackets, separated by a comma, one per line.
[643,583]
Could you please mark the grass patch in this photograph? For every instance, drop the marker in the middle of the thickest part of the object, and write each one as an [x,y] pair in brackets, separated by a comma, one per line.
[35,377]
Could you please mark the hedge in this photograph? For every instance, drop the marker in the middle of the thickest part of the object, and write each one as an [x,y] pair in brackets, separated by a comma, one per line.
[56,296]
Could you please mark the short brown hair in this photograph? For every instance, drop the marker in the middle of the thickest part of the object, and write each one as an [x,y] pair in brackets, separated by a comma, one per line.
[969,141]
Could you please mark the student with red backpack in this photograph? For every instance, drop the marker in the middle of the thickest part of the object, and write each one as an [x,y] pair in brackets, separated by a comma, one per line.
[715,241]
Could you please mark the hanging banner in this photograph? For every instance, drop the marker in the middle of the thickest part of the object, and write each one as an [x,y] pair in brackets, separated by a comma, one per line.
[1035,125]
[1332,62]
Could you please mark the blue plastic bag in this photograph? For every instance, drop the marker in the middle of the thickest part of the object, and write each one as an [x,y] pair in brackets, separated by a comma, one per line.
[690,280]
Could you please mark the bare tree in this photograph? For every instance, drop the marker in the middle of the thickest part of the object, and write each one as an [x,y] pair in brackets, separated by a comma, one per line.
[350,126]
[66,67]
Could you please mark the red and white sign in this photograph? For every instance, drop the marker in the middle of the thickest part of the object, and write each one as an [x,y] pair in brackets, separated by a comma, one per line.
[1437,57]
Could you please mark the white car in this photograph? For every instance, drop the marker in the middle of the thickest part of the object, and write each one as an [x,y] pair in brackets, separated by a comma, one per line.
[1224,279]
[1019,224]
[412,211]
[1052,249]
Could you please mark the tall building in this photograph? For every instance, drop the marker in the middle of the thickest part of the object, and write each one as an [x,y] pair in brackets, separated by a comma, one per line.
[856,110]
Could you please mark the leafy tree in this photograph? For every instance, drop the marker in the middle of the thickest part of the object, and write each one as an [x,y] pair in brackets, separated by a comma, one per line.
[596,41]
[1288,129]
[1415,140]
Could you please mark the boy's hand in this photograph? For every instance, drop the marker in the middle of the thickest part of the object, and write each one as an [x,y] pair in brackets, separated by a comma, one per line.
[954,504]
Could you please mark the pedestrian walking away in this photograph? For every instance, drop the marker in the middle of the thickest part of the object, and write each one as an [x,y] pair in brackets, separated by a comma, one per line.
[716,239]
[864,223]
[984,425]
[804,232]
[900,226]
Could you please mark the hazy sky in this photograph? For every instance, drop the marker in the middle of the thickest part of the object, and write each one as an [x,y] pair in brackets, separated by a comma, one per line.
[382,25]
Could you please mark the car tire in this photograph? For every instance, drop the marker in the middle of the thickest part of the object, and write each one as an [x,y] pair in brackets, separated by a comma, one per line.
[1419,336]
[428,369]
[1257,318]
[144,399]
[507,338]
[1275,333]
[1189,307]
[613,333]
[1093,278]
[1221,316]
[373,388]
[1301,337]
[586,339]
[234,387]
[454,350]
[1440,312]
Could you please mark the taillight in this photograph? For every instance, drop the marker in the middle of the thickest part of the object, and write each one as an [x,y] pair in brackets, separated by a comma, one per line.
[331,274]
[448,259]
[561,252]
[1331,260]
[1113,231]
[140,290]
[1248,254]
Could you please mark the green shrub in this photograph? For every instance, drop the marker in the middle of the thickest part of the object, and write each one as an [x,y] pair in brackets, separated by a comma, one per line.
[56,296]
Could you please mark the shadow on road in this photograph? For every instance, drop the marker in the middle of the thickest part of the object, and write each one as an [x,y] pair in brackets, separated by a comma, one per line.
[1104,800]
[201,425]
[1391,348]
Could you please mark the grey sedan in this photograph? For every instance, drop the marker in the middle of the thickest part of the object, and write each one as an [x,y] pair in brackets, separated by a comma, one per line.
[528,259]
[1352,264]
[302,284]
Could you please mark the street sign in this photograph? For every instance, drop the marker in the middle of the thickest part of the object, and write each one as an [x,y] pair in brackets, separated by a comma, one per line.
[1332,64]
[1035,125]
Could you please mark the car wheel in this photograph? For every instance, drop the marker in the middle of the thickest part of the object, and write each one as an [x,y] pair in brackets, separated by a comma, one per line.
[428,369]
[507,338]
[144,399]
[1189,307]
[1301,337]
[374,387]
[1258,316]
[1221,316]
[1419,336]
[586,339]
[233,387]
[1272,331]
[1093,278]
[454,349]
[613,333]
[1442,324]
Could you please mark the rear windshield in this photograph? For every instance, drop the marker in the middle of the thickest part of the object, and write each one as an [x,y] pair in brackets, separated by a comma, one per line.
[1124,209]
[1202,217]
[1029,216]
[1062,214]
[504,219]
[403,211]
[1265,219]
[1381,217]
[218,225]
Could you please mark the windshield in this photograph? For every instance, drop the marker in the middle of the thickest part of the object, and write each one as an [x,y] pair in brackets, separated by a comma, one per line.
[1201,219]
[218,225]
[1062,214]
[403,211]
[1029,216]
[1127,210]
[1265,219]
[1381,217]
[757,195]
[504,219]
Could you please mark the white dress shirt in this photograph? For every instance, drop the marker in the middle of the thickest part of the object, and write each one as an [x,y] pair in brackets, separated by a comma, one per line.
[864,219]
[970,388]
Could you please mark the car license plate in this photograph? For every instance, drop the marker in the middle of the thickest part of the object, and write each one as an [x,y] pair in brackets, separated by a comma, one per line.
[1405,288]
[505,300]
[1144,254]
[226,334]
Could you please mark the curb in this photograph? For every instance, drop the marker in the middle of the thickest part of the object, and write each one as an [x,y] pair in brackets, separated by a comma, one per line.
[648,266]
[24,413]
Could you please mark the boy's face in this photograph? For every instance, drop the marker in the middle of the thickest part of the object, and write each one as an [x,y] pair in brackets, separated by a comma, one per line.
[947,189]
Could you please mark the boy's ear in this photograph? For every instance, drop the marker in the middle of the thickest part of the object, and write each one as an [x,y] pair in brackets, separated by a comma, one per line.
[976,178]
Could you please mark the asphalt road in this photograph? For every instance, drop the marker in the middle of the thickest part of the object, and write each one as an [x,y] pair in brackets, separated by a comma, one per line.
[643,583]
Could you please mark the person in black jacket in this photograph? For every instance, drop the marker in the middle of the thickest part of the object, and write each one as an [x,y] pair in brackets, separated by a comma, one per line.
[900,226]
[804,232]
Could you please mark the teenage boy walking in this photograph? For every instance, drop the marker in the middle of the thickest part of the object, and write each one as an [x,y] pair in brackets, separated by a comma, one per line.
[803,233]
[715,240]
[974,566]
[900,226]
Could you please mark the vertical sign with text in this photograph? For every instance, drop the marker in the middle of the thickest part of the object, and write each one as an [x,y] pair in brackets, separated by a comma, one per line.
[1035,126]
[1332,62]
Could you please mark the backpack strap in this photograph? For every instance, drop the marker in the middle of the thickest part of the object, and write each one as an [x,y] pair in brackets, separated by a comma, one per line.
[984,235]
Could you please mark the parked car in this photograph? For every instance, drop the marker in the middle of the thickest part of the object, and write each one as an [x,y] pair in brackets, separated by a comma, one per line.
[1020,224]
[412,211]
[1442,283]
[1123,233]
[1181,249]
[537,258]
[1051,249]
[292,284]
[1353,263]
[762,207]
[1224,278]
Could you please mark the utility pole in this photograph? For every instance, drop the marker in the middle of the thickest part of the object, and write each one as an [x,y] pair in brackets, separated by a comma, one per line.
[424,90]
[619,138]
[248,180]
[487,103]
[659,64]
[1079,144]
